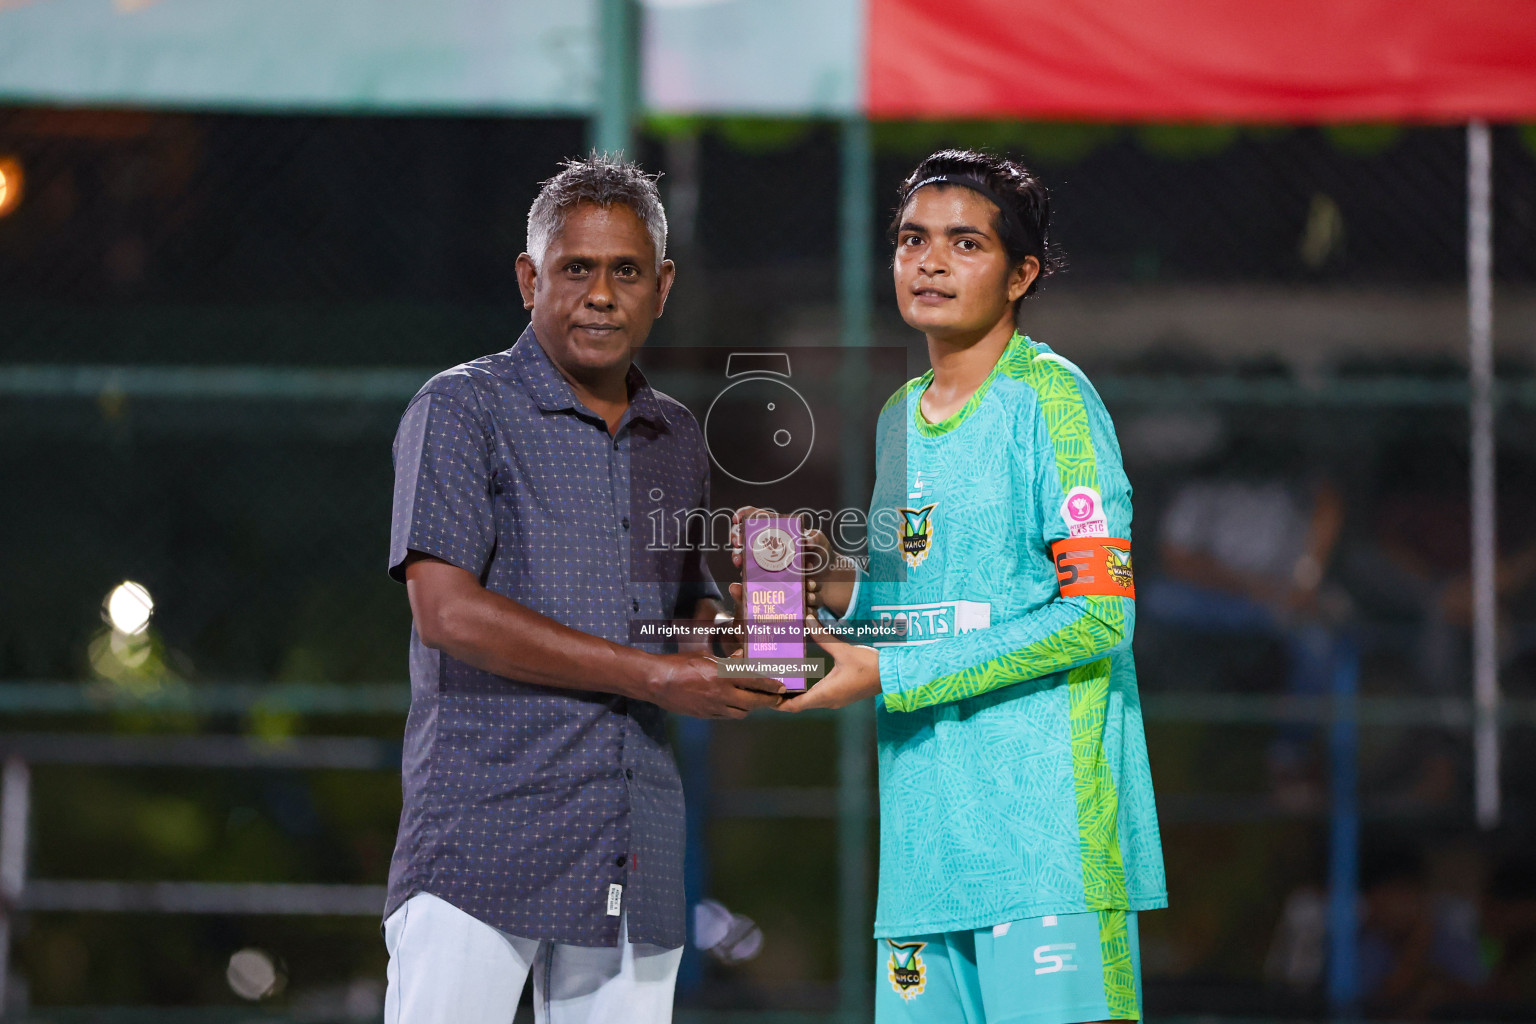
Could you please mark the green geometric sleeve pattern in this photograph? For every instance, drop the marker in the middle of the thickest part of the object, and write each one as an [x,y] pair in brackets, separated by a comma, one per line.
[1066,413]
[1098,802]
[1095,627]
[1119,968]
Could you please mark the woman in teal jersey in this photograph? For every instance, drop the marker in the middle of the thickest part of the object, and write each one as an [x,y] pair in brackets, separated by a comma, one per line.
[1018,835]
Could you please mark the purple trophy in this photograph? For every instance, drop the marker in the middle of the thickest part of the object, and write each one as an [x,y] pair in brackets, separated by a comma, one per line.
[773,591]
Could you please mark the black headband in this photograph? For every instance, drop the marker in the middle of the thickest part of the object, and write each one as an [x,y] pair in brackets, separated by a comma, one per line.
[975,184]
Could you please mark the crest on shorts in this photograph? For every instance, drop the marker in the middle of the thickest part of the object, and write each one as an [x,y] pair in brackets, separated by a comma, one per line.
[916,533]
[905,968]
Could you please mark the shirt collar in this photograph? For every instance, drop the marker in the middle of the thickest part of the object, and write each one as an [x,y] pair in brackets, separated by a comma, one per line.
[643,403]
[553,393]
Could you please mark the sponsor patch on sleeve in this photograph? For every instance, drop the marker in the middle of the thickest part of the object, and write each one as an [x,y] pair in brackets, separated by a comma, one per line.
[1083,512]
[1094,565]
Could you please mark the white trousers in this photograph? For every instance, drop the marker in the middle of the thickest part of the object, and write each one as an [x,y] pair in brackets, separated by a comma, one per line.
[446,967]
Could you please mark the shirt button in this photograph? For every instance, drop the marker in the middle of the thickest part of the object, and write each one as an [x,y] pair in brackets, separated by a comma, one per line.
[625,522]
[635,604]
[622,860]
[629,773]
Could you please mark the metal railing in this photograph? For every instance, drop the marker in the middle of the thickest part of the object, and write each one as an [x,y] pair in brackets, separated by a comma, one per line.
[397,385]
[850,802]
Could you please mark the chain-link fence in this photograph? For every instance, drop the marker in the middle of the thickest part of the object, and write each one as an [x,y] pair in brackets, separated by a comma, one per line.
[211,325]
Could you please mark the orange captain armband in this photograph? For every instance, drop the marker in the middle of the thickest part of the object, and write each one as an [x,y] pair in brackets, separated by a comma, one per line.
[1094,565]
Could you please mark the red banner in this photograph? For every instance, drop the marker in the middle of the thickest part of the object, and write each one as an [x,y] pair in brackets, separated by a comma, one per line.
[1224,60]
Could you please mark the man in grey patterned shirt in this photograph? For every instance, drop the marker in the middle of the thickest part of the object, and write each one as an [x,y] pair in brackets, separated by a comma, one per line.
[542,826]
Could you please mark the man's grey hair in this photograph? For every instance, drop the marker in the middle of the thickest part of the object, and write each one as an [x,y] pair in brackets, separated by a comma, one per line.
[600,179]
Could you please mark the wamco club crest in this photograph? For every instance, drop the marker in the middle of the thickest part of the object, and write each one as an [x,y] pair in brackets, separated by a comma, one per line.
[916,534]
[905,968]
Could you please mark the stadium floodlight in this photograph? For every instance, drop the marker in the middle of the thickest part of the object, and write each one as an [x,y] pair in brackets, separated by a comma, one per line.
[253,974]
[10,184]
[129,607]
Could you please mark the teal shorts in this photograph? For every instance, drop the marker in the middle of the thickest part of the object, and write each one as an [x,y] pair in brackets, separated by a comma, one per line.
[1063,969]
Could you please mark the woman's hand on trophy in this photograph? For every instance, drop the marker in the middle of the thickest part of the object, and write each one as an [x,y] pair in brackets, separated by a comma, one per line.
[820,560]
[855,673]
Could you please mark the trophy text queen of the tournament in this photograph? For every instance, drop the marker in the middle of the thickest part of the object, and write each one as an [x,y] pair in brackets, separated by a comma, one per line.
[773,591]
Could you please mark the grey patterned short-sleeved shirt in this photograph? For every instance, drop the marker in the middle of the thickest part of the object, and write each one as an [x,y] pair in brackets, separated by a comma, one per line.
[523,803]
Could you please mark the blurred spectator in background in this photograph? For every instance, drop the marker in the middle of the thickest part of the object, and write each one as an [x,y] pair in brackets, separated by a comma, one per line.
[1416,564]
[1299,948]
[1421,943]
[1409,567]
[1423,948]
[1264,543]
[1510,927]
[1247,553]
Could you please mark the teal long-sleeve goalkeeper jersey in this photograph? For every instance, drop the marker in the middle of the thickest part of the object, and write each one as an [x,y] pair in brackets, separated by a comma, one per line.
[1014,780]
